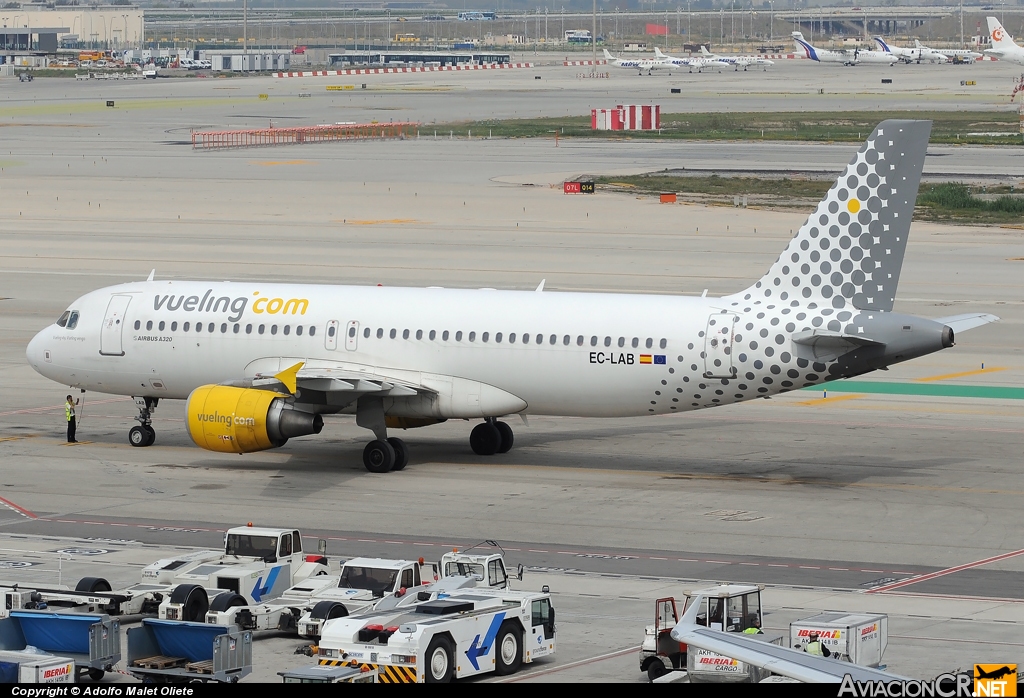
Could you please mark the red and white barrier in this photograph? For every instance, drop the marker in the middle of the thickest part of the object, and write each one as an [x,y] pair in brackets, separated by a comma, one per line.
[629,117]
[597,62]
[388,71]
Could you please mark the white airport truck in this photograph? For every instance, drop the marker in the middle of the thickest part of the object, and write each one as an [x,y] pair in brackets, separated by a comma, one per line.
[360,585]
[469,632]
[256,564]
[728,607]
[35,667]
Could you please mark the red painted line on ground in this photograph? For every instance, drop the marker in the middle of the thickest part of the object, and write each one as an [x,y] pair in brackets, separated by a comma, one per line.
[571,665]
[14,507]
[943,573]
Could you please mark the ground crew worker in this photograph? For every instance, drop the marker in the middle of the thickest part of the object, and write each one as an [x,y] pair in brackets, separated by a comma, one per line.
[816,648]
[69,412]
[755,628]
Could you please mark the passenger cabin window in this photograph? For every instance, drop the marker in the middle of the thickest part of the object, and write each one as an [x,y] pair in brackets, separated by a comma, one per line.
[163,324]
[607,341]
[380,333]
[433,334]
[174,326]
[472,336]
[419,334]
[234,329]
[149,326]
[485,336]
[298,330]
[444,335]
[579,341]
[312,330]
[186,327]
[287,329]
[352,331]
[650,343]
[248,328]
[223,328]
[330,330]
[593,341]
[393,333]
[663,343]
[512,338]
[138,324]
[405,334]
[366,333]
[526,338]
[62,321]
[458,336]
[273,329]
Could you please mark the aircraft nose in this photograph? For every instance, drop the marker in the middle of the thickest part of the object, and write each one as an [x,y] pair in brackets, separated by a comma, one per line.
[35,352]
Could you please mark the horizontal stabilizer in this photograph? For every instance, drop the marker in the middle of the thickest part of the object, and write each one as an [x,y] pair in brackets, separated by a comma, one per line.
[967,321]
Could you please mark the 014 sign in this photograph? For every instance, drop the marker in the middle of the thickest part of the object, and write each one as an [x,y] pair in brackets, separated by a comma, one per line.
[578,187]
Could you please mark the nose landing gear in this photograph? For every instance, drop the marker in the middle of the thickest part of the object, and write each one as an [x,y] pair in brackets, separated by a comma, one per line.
[491,437]
[144,434]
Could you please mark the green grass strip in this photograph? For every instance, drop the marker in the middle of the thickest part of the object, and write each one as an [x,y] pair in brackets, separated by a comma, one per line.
[928,389]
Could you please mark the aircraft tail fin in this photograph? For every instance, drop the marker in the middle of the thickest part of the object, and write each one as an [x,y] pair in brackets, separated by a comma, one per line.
[704,50]
[658,53]
[608,56]
[804,47]
[882,45]
[1000,37]
[917,43]
[849,253]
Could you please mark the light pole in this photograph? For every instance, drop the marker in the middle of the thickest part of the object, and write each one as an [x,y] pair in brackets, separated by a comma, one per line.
[771,22]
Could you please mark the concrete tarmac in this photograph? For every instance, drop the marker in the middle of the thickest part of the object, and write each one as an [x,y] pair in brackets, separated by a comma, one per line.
[853,491]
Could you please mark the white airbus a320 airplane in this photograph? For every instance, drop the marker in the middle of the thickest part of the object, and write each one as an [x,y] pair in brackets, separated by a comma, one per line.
[260,363]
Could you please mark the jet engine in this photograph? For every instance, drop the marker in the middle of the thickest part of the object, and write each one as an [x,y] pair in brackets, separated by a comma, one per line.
[242,420]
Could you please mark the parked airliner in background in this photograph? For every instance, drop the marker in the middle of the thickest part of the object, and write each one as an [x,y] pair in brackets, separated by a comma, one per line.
[259,363]
[638,64]
[921,53]
[846,57]
[698,63]
[737,62]
[1003,46]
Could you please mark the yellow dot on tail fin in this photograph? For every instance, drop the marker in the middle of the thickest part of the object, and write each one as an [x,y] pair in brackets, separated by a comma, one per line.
[853,205]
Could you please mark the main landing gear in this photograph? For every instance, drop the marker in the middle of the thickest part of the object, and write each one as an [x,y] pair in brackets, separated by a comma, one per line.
[384,453]
[144,434]
[491,437]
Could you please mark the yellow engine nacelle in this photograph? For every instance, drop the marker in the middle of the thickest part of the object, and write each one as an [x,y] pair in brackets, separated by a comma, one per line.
[242,420]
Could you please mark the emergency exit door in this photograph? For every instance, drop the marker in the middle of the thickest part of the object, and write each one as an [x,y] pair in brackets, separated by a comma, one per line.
[718,340]
[113,325]
[352,336]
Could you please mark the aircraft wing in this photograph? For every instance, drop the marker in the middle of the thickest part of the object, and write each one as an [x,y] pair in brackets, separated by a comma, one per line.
[778,660]
[967,321]
[338,378]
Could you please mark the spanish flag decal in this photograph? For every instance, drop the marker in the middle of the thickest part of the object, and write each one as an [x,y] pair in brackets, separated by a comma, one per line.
[646,359]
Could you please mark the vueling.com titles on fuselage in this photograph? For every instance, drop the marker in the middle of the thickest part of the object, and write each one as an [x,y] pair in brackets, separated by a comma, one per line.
[237,306]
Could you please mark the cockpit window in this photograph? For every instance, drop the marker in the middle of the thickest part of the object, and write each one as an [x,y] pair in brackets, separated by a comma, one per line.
[73,320]
[63,319]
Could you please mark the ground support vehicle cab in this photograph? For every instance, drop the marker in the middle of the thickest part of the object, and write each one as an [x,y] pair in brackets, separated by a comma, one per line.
[257,564]
[728,607]
[467,633]
[305,606]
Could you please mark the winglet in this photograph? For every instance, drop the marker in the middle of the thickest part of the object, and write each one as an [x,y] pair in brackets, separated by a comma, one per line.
[151,275]
[287,376]
[540,287]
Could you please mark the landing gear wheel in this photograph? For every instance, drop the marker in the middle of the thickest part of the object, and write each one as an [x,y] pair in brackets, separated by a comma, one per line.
[439,661]
[138,437]
[505,432]
[150,435]
[510,649]
[379,456]
[485,440]
[401,453]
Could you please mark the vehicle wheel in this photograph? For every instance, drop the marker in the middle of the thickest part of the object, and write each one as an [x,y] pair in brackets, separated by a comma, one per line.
[656,669]
[92,584]
[193,600]
[138,437]
[485,439]
[226,600]
[507,437]
[326,610]
[150,435]
[378,456]
[96,674]
[439,661]
[401,453]
[509,654]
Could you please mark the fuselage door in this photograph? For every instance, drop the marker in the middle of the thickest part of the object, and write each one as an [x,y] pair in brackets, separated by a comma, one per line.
[331,336]
[113,324]
[718,351]
[352,336]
